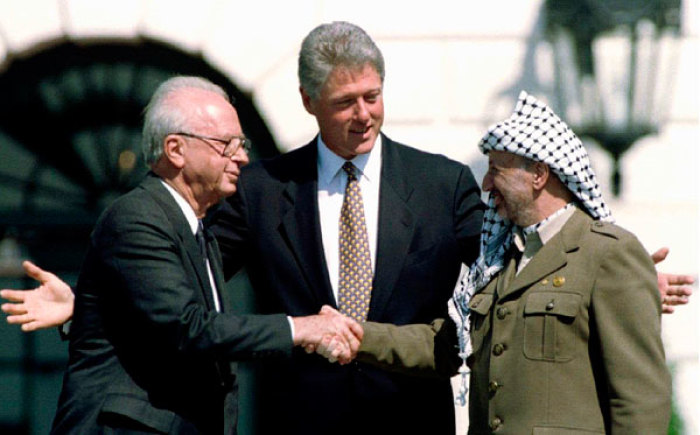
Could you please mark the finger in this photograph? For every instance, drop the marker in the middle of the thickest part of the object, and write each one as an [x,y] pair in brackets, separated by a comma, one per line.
[667,309]
[337,354]
[13,295]
[310,348]
[327,309]
[31,326]
[19,319]
[659,255]
[352,331]
[675,300]
[326,352]
[356,329]
[680,279]
[35,271]
[683,291]
[344,353]
[14,309]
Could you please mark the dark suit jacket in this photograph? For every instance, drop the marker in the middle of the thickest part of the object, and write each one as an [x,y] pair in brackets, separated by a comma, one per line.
[430,216]
[571,345]
[147,350]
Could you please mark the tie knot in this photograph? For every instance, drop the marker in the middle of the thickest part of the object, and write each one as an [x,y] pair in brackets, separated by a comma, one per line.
[349,169]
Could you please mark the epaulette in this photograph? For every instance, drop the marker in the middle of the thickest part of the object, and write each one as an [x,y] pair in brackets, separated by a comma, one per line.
[607,229]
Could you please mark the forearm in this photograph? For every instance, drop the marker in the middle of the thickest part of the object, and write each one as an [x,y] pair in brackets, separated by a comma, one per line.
[419,350]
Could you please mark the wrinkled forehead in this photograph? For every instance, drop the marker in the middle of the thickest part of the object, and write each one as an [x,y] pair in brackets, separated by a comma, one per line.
[506,159]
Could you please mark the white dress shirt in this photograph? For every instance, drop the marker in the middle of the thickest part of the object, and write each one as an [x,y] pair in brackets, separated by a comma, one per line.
[194,223]
[331,190]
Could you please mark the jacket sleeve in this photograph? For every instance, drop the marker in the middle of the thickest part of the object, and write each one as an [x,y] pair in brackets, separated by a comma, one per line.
[627,316]
[153,280]
[418,349]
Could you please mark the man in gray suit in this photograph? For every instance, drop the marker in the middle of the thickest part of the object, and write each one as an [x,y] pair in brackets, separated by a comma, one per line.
[559,318]
[150,345]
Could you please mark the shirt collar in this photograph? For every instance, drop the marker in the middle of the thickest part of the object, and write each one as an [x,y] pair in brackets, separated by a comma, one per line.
[186,208]
[544,229]
[329,163]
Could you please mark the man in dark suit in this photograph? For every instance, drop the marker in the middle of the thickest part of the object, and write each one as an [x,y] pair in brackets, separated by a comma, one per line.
[561,307]
[150,348]
[423,217]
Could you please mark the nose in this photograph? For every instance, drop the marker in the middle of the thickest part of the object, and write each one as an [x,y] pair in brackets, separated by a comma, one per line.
[361,111]
[487,183]
[241,157]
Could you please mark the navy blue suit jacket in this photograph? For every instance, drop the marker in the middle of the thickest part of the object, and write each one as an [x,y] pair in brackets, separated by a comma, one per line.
[430,215]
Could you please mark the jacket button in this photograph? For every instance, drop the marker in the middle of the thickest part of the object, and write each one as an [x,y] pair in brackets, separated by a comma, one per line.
[498,349]
[495,423]
[493,386]
[502,312]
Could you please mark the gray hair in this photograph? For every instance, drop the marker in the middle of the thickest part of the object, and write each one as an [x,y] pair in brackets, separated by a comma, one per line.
[162,117]
[333,44]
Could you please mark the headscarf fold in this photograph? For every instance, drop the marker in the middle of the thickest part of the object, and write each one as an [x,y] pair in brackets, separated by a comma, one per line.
[535,132]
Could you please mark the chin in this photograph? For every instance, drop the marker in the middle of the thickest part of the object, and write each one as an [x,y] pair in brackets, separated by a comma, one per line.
[364,147]
[227,191]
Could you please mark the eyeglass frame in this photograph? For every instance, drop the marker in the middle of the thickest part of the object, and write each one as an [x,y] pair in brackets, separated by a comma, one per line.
[244,142]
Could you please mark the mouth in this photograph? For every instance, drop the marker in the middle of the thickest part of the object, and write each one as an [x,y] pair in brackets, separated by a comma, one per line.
[360,130]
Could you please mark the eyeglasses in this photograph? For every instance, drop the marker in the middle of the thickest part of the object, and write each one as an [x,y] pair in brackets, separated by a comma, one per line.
[231,146]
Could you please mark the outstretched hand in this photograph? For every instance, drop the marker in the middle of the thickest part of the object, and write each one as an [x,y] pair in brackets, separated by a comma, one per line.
[674,289]
[331,334]
[49,305]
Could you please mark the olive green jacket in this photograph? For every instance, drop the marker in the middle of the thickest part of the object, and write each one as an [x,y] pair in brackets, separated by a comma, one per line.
[571,345]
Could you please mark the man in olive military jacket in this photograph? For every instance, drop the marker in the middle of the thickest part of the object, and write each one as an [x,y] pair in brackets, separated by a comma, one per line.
[561,308]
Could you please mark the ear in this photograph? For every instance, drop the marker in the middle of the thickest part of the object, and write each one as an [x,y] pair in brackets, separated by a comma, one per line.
[306,100]
[174,150]
[541,174]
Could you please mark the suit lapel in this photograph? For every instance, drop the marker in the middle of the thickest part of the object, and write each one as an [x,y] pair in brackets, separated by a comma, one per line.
[395,230]
[301,227]
[182,230]
[216,267]
[553,255]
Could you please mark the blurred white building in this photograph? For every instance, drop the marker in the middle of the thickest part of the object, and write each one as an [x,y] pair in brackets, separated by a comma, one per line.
[452,68]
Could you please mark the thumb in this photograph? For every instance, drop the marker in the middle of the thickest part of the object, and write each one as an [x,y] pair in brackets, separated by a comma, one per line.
[659,255]
[35,271]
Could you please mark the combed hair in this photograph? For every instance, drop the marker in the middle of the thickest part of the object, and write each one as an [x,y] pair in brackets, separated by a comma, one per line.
[162,117]
[333,44]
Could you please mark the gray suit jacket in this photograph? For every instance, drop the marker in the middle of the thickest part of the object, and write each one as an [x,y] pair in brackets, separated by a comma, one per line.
[147,349]
[571,345]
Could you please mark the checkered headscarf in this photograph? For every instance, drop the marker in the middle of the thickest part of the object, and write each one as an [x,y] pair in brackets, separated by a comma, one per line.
[535,132]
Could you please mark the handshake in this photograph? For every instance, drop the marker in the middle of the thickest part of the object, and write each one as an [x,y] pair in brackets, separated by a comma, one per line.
[330,334]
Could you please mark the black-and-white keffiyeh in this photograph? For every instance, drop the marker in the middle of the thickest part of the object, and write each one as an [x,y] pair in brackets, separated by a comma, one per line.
[535,132]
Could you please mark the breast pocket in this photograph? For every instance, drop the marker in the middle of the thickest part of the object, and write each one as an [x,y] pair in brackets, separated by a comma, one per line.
[549,325]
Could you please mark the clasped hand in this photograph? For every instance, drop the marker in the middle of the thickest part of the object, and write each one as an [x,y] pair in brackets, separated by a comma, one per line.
[330,334]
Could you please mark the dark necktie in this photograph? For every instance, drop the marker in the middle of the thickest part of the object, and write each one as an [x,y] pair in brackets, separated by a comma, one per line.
[201,241]
[355,283]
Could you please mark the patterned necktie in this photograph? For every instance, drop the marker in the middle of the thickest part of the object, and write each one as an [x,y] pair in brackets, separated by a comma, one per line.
[355,284]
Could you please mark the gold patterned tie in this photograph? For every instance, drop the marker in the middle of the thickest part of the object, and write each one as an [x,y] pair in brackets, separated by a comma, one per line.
[355,284]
